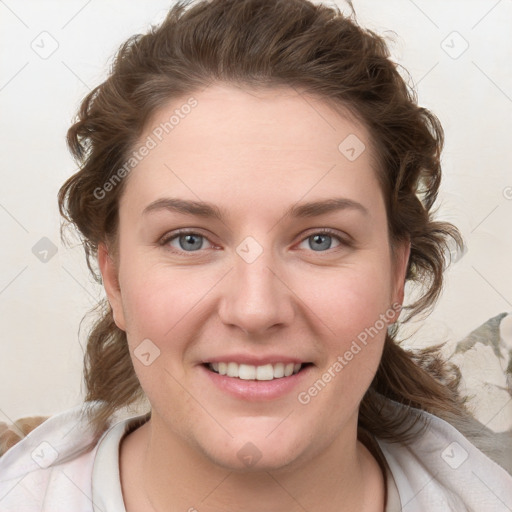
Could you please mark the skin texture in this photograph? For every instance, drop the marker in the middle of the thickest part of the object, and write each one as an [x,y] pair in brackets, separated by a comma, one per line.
[254,154]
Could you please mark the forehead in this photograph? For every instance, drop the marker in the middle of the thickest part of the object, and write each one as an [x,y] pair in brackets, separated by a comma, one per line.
[235,142]
[279,119]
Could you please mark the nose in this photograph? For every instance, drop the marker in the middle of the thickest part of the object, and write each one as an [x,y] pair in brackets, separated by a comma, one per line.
[256,297]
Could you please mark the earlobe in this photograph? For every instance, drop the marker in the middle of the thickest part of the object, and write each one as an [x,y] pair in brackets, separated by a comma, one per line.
[109,276]
[401,263]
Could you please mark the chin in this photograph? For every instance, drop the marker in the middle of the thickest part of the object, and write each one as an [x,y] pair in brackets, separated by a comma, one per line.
[249,459]
[255,452]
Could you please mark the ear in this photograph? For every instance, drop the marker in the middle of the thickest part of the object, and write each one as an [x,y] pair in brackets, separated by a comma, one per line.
[111,284]
[401,261]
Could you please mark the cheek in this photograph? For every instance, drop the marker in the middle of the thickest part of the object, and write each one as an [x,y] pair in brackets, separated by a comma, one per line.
[351,300]
[165,305]
[155,302]
[355,310]
[159,312]
[355,307]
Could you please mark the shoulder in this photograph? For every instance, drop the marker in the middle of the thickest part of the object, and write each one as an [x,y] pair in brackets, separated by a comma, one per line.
[442,470]
[12,434]
[52,464]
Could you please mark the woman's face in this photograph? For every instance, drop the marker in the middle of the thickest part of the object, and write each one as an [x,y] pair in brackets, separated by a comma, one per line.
[295,269]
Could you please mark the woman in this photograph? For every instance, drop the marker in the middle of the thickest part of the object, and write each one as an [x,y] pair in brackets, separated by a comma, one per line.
[256,184]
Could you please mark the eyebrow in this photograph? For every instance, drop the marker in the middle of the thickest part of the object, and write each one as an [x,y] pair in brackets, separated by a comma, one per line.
[209,210]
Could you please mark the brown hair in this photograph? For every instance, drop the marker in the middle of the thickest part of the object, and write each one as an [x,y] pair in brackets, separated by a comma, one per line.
[272,43]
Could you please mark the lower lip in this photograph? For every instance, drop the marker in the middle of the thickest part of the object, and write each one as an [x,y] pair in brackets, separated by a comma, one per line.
[257,390]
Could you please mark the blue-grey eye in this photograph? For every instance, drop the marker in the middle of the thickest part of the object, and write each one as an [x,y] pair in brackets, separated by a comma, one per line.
[189,242]
[321,241]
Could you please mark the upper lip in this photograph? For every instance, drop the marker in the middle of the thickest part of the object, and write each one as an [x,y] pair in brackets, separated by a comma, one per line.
[255,361]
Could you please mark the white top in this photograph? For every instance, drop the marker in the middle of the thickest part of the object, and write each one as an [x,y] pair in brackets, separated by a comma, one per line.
[51,470]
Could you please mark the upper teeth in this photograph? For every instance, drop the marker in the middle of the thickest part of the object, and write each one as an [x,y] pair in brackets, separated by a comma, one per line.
[250,372]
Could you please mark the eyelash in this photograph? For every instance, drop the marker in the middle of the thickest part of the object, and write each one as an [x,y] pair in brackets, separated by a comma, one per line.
[164,241]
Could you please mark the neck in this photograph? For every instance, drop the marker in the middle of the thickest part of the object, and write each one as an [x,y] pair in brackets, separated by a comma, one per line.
[174,475]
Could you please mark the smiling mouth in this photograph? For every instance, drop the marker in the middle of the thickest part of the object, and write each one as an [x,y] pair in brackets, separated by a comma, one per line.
[251,372]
